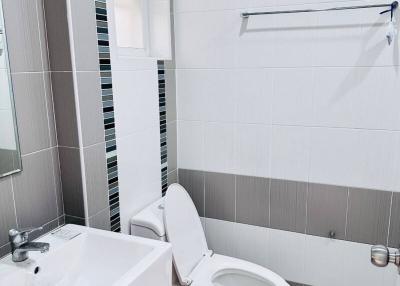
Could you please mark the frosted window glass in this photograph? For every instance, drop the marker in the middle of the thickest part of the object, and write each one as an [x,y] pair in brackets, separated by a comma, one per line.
[129,23]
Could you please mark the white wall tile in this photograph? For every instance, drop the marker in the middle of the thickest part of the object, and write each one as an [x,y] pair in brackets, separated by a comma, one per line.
[243,4]
[297,257]
[335,96]
[204,5]
[252,150]
[138,172]
[352,157]
[286,252]
[357,98]
[254,41]
[251,243]
[295,38]
[293,97]
[191,94]
[290,152]
[219,234]
[253,93]
[340,38]
[206,39]
[206,95]
[135,100]
[336,262]
[219,147]
[328,85]
[191,145]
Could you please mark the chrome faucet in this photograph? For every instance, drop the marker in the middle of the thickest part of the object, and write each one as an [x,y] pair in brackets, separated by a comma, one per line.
[20,244]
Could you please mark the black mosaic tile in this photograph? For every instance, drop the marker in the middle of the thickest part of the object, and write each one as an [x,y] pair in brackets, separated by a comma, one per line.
[108,113]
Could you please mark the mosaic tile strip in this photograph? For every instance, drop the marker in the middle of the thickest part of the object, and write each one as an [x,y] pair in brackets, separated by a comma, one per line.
[108,112]
[163,126]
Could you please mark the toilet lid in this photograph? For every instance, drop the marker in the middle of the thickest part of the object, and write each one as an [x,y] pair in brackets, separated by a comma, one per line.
[184,231]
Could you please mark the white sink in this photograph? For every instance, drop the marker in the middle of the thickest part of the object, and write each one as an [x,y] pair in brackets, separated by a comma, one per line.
[81,256]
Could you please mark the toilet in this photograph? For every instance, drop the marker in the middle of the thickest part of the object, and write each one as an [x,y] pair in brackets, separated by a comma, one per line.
[175,219]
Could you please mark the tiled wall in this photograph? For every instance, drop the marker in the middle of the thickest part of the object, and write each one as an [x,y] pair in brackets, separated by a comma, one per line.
[305,101]
[77,87]
[170,93]
[137,122]
[32,197]
[163,126]
[315,209]
[108,113]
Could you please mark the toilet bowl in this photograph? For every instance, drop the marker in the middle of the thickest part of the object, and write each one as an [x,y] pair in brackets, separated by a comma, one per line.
[194,263]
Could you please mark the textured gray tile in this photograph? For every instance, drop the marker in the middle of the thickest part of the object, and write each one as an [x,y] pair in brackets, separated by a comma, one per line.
[64,104]
[50,109]
[368,216]
[101,220]
[71,181]
[288,205]
[58,35]
[32,117]
[34,190]
[394,231]
[5,250]
[23,35]
[170,93]
[74,220]
[89,94]
[326,210]
[220,196]
[43,35]
[57,181]
[252,200]
[193,182]
[61,220]
[173,177]
[7,211]
[96,178]
[46,228]
[172,145]
[83,14]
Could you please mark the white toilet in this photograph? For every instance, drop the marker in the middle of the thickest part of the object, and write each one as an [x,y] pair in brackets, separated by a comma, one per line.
[195,264]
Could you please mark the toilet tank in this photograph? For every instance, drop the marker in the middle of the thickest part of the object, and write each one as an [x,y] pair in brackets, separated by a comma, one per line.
[149,223]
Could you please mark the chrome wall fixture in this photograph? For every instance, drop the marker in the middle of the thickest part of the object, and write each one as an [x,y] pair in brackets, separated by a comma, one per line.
[391,8]
[381,256]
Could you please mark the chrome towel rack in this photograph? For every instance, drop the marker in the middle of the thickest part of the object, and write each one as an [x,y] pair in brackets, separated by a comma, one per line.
[391,8]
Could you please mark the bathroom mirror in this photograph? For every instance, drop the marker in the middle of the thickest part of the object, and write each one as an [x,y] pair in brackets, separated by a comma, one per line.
[10,158]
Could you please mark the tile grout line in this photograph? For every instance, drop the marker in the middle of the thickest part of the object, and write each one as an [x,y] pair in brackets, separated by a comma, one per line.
[390,219]
[347,214]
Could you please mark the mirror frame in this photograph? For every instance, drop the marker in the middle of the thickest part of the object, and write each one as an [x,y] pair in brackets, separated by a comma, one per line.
[3,34]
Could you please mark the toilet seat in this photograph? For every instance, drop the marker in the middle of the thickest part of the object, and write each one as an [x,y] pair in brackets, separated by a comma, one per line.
[194,262]
[220,270]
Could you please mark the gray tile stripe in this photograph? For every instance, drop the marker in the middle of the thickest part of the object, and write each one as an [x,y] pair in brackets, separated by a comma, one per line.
[108,113]
[163,126]
[345,213]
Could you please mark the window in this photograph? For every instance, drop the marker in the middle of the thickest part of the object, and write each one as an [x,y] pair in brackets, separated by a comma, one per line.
[143,28]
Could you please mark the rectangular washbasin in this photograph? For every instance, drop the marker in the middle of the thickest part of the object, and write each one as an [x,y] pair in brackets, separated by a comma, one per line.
[81,256]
